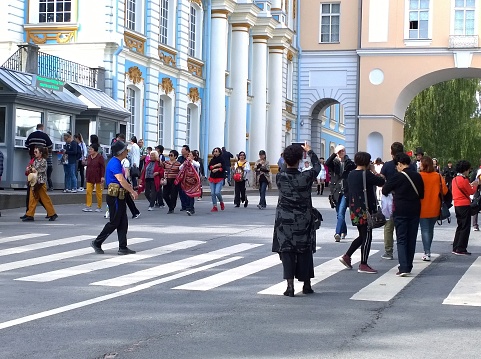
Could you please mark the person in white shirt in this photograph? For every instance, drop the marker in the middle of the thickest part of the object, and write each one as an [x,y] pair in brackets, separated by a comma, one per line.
[128,200]
[135,160]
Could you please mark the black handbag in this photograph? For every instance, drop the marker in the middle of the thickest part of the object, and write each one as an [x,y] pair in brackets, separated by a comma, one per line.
[444,213]
[134,171]
[375,219]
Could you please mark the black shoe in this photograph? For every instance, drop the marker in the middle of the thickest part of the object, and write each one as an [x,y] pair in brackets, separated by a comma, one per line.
[124,251]
[27,219]
[170,211]
[182,209]
[237,205]
[246,203]
[190,212]
[307,290]
[96,248]
[289,292]
[25,216]
[53,218]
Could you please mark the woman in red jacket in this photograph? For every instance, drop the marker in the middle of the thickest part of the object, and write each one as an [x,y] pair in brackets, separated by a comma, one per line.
[462,189]
[150,179]
[95,177]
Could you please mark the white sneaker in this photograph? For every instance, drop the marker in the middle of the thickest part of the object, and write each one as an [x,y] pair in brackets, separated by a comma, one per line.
[426,257]
[87,209]
[98,209]
[81,189]
[107,214]
[67,191]
[73,191]
[150,209]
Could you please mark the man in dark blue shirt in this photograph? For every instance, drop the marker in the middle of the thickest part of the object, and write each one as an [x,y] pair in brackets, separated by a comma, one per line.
[118,188]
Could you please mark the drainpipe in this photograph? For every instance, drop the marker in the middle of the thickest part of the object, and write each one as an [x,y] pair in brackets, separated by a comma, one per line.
[114,75]
[359,41]
[205,102]
[299,50]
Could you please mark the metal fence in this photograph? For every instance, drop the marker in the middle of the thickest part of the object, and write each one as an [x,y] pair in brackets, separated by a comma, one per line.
[65,70]
[15,62]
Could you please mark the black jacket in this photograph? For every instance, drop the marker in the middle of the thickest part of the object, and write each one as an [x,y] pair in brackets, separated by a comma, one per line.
[406,202]
[338,183]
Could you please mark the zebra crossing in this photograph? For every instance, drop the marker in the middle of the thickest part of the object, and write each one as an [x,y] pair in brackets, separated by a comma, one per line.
[383,287]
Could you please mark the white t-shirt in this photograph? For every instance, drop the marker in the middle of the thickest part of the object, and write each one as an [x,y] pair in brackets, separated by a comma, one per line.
[135,154]
[377,168]
[322,173]
[126,165]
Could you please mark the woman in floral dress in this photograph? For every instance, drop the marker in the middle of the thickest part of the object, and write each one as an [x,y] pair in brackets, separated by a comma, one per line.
[357,208]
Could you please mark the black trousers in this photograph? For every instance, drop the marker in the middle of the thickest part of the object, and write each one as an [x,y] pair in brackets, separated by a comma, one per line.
[364,241]
[81,169]
[49,177]
[170,194]
[160,196]
[461,237]
[239,192]
[298,265]
[150,192]
[118,221]
[131,204]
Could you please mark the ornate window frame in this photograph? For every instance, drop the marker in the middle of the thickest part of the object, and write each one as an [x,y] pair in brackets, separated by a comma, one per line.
[137,24]
[167,39]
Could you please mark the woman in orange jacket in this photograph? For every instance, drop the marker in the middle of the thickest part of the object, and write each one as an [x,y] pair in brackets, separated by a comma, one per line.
[434,184]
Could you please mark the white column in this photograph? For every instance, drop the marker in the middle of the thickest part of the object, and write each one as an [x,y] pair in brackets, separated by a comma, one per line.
[218,62]
[257,133]
[238,99]
[274,117]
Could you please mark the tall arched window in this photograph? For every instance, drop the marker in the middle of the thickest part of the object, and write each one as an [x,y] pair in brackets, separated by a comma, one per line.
[166,122]
[164,22]
[133,103]
[195,25]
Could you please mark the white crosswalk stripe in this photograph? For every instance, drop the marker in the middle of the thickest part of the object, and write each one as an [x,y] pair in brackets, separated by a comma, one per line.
[41,245]
[388,285]
[109,262]
[175,266]
[321,272]
[468,289]
[4,267]
[22,236]
[231,275]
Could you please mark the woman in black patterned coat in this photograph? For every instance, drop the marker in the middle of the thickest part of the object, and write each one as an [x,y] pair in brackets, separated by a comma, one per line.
[294,231]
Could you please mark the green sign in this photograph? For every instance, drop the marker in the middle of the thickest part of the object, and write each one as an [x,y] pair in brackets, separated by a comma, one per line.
[49,84]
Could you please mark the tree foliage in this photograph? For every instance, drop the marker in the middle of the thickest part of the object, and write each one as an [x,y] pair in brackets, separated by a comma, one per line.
[444,120]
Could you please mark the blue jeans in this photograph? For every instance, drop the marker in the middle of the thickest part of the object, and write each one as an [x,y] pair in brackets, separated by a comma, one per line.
[262,194]
[406,234]
[215,189]
[70,176]
[427,232]
[341,207]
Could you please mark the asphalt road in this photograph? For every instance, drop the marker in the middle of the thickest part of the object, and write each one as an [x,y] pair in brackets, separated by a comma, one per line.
[208,286]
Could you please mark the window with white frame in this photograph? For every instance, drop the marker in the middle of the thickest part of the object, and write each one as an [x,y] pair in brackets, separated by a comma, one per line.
[164,22]
[132,107]
[330,21]
[133,15]
[54,11]
[188,127]
[192,31]
[419,19]
[464,17]
[161,119]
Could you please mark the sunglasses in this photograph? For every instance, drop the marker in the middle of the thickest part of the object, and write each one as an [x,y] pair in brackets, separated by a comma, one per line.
[171,155]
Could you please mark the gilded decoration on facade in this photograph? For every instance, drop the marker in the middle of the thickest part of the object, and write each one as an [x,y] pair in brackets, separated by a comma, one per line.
[194,94]
[289,106]
[290,55]
[167,56]
[195,67]
[198,2]
[288,125]
[167,85]
[40,36]
[135,75]
[134,43]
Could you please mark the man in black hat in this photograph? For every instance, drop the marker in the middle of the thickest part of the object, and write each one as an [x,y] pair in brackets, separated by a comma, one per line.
[118,188]
[419,154]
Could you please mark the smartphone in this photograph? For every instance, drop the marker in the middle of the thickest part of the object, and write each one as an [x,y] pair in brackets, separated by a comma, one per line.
[300,144]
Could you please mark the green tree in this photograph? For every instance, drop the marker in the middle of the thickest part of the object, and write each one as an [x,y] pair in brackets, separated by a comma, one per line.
[444,120]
